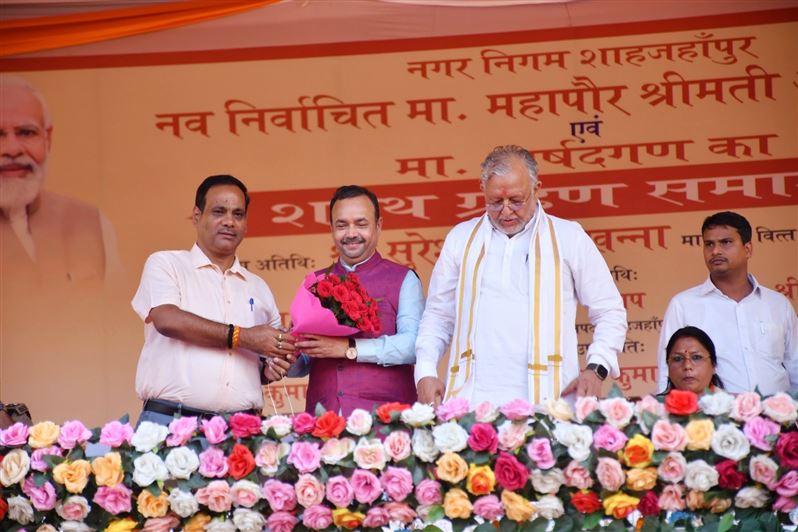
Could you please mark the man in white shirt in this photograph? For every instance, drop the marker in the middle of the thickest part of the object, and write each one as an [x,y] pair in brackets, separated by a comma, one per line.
[503,295]
[754,329]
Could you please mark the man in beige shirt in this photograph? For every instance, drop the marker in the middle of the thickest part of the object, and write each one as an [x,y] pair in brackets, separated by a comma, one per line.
[207,319]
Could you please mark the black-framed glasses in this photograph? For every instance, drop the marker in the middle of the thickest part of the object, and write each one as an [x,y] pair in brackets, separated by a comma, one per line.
[515,206]
[678,359]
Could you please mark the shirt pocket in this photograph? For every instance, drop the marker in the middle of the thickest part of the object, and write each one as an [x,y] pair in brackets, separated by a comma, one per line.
[769,339]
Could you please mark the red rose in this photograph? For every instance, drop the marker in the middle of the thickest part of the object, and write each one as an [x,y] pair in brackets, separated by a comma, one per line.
[240,463]
[329,425]
[649,504]
[243,425]
[384,411]
[510,473]
[728,475]
[352,310]
[303,423]
[340,293]
[787,450]
[355,297]
[586,501]
[3,508]
[483,437]
[681,402]
[324,288]
[334,280]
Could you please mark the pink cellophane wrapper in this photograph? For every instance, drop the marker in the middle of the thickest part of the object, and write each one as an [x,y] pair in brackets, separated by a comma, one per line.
[309,317]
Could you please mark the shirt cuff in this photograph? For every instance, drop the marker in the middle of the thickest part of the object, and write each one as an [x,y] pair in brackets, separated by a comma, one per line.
[425,369]
[367,350]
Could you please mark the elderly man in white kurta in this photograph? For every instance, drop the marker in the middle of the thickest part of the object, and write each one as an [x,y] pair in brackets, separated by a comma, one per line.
[503,295]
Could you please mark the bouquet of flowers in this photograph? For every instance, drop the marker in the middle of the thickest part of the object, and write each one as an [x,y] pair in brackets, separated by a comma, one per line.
[333,305]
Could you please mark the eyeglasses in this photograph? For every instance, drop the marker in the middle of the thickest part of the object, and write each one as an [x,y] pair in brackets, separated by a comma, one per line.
[515,206]
[678,359]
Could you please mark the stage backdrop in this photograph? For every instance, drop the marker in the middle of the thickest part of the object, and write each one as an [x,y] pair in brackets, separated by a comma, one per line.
[640,130]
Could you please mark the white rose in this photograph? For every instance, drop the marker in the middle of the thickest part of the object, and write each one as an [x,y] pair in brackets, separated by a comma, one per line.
[148,436]
[248,521]
[359,422]
[46,528]
[559,409]
[450,437]
[549,507]
[547,481]
[14,467]
[370,454]
[73,500]
[486,412]
[699,475]
[220,525]
[751,497]
[775,407]
[512,434]
[419,415]
[279,423]
[181,462]
[730,442]
[148,468]
[617,411]
[719,403]
[269,456]
[183,503]
[244,491]
[424,445]
[74,526]
[577,438]
[335,450]
[20,509]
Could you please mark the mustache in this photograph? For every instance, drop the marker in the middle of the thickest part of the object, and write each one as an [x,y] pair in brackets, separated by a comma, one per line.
[353,240]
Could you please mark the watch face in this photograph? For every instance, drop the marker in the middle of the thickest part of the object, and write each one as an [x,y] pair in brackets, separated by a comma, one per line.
[351,353]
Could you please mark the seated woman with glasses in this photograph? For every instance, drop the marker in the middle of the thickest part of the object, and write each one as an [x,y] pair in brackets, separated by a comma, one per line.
[691,359]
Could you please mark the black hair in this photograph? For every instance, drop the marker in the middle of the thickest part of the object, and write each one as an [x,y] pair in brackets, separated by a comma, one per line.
[731,219]
[354,191]
[703,339]
[214,181]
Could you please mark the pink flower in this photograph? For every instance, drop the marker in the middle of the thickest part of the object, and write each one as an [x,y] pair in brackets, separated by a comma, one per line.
[268,457]
[215,429]
[397,445]
[73,433]
[780,407]
[610,473]
[14,436]
[243,425]
[180,430]
[74,508]
[280,495]
[429,492]
[317,517]
[376,517]
[37,458]
[309,490]
[397,482]
[304,423]
[43,498]
[113,500]
[617,411]
[483,437]
[757,429]
[281,522]
[339,491]
[763,470]
[512,435]
[577,476]
[746,406]
[213,463]
[453,409]
[585,406]
[672,468]
[369,454]
[539,450]
[668,436]
[400,511]
[516,409]
[489,508]
[115,434]
[785,505]
[216,496]
[366,485]
[787,486]
[245,493]
[672,498]
[609,438]
[485,412]
[305,456]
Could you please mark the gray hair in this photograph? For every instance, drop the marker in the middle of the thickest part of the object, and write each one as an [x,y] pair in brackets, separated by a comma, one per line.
[498,162]
[8,81]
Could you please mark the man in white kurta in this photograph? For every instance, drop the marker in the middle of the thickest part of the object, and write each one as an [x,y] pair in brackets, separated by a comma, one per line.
[504,294]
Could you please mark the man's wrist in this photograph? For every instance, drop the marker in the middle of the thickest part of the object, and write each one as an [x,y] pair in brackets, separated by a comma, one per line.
[599,369]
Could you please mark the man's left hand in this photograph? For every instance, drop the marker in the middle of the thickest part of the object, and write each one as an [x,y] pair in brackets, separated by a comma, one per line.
[587,383]
[318,346]
[275,368]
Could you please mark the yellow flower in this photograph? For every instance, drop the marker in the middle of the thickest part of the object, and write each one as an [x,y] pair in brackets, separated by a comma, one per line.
[481,480]
[516,507]
[620,505]
[73,475]
[197,523]
[456,504]
[719,505]
[695,500]
[699,434]
[346,519]
[108,470]
[150,506]
[121,525]
[451,467]
[638,451]
[641,479]
[43,434]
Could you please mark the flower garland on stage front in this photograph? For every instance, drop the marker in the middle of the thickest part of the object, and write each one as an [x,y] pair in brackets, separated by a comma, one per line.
[720,461]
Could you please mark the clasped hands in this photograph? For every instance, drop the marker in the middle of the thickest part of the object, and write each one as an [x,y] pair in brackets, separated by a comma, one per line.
[277,346]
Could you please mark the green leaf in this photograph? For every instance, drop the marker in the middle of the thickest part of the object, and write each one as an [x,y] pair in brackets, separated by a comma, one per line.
[592,520]
[650,524]
[616,526]
[39,479]
[726,522]
[507,525]
[769,521]
[320,410]
[485,527]
[124,419]
[615,392]
[435,513]
[431,528]
[52,460]
[418,475]
[564,523]
[154,489]
[481,458]
[538,525]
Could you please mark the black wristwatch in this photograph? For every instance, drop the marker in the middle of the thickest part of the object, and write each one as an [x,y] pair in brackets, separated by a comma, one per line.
[600,371]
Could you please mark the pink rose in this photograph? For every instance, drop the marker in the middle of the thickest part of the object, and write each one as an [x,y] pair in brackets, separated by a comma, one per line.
[609,438]
[113,500]
[166,523]
[787,486]
[489,508]
[305,456]
[339,491]
[512,435]
[668,436]
[317,517]
[429,492]
[758,429]
[397,482]
[672,498]
[216,496]
[366,485]
[376,517]
[672,468]
[309,490]
[281,522]
[539,450]
[180,430]
[763,470]
[483,437]
[577,476]
[610,473]
[115,434]
[304,423]
[37,458]
[398,445]
[746,406]
[213,463]
[245,493]
[73,433]
[14,436]
[485,412]
[585,405]
[516,409]
[785,505]
[279,495]
[74,508]
[268,457]
[43,497]
[215,429]
[400,511]
[617,411]
[452,409]
[243,425]
[780,407]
